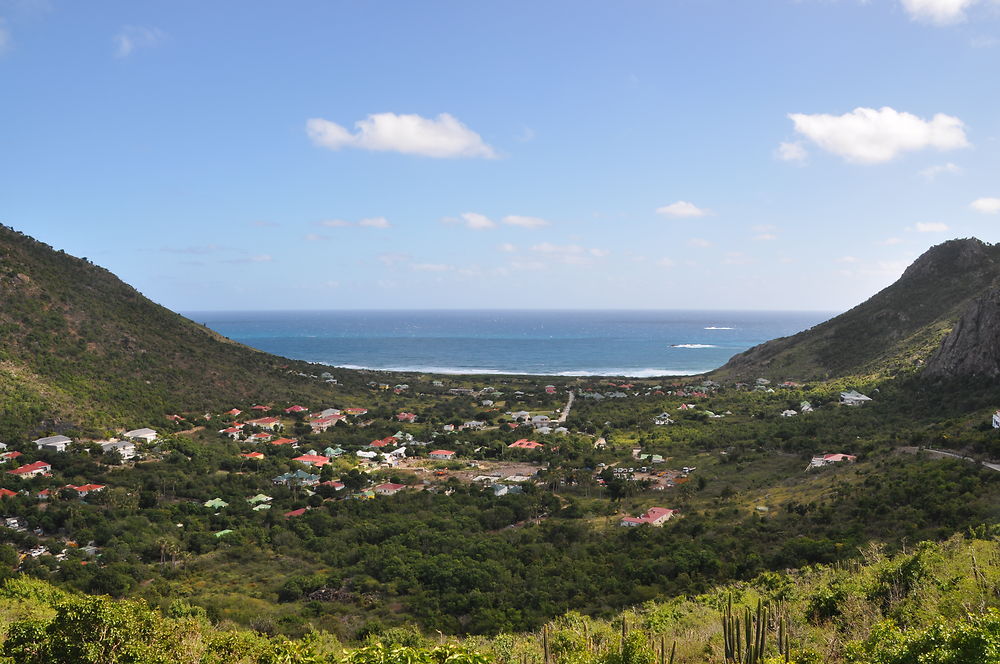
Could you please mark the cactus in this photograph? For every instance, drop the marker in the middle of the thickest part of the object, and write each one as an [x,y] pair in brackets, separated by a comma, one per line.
[745,637]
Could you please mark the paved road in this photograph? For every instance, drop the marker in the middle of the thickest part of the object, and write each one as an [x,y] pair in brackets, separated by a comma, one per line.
[991,466]
[565,412]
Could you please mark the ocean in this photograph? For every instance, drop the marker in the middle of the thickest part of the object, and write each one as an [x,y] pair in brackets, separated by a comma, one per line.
[565,343]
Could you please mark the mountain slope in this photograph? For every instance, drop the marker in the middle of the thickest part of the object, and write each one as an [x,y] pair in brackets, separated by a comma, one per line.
[896,330]
[79,348]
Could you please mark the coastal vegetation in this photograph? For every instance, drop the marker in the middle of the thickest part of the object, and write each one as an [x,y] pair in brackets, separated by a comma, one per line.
[288,512]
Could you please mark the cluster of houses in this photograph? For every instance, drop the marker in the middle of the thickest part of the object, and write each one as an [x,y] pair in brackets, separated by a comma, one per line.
[125,448]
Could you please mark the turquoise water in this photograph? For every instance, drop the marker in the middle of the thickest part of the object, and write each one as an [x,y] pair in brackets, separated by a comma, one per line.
[613,343]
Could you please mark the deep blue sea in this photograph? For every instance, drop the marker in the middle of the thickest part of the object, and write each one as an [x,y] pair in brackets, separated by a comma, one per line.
[567,343]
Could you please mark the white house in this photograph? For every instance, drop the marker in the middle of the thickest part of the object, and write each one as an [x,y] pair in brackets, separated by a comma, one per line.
[853,398]
[53,443]
[996,420]
[144,434]
[539,421]
[827,459]
[442,454]
[788,413]
[124,448]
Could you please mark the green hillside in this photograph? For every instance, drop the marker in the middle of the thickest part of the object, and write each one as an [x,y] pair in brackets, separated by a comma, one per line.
[80,349]
[935,604]
[893,332]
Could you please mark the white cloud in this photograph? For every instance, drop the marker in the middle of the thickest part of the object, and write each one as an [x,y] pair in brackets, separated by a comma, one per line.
[699,242]
[933,171]
[682,209]
[131,37]
[370,222]
[440,137]
[791,151]
[939,12]
[983,42]
[4,36]
[890,241]
[524,222]
[430,267]
[872,136]
[391,258]
[527,266]
[315,237]
[986,205]
[549,248]
[764,228]
[931,227]
[848,259]
[665,262]
[507,247]
[375,222]
[765,237]
[476,221]
[259,258]
[570,254]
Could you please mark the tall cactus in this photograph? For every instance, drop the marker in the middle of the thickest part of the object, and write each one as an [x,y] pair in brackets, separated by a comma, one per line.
[745,637]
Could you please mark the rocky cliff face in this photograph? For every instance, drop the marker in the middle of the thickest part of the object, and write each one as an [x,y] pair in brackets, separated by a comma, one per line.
[901,327]
[972,348]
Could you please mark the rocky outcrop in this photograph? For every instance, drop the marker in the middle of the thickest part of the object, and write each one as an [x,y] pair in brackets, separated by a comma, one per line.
[899,328]
[972,348]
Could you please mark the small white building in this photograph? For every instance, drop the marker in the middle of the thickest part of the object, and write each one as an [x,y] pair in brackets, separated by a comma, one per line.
[853,398]
[996,420]
[53,443]
[539,421]
[788,413]
[827,459]
[145,434]
[123,448]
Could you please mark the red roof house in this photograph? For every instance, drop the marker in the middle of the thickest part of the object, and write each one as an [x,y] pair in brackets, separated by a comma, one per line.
[312,460]
[525,444]
[234,412]
[654,516]
[442,454]
[298,512]
[285,441]
[253,455]
[265,422]
[7,493]
[295,409]
[406,417]
[32,469]
[389,489]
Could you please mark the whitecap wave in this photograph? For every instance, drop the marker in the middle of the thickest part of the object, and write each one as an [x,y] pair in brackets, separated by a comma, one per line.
[578,373]
[693,346]
[716,327]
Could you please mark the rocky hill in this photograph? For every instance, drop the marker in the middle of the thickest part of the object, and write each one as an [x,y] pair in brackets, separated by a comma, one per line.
[81,349]
[942,314]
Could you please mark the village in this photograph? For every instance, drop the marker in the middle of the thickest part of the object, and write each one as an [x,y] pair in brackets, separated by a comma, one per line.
[325,454]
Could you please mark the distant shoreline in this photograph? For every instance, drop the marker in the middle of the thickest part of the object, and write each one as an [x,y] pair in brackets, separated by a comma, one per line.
[567,344]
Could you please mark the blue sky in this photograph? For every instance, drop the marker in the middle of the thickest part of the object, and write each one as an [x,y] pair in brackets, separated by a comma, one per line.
[775,154]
